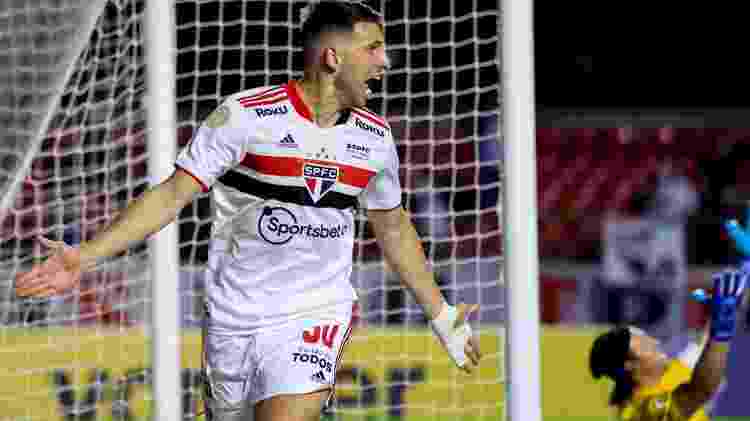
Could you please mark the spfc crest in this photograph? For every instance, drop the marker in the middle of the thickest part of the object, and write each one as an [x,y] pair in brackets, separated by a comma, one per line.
[319,179]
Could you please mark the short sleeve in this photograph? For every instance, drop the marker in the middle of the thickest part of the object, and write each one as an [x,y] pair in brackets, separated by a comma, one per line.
[384,190]
[216,147]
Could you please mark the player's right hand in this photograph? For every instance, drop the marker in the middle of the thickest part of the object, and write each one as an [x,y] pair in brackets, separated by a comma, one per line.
[740,236]
[59,273]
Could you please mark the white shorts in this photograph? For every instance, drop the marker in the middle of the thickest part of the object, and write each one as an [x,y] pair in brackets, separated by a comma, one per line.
[297,357]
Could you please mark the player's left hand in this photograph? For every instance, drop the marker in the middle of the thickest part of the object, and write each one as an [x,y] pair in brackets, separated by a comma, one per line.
[729,286]
[453,330]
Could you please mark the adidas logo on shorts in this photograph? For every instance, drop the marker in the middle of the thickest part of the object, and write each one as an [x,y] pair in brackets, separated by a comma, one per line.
[318,377]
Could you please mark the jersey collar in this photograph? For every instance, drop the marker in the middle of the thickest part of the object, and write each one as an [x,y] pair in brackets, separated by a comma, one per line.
[675,374]
[293,93]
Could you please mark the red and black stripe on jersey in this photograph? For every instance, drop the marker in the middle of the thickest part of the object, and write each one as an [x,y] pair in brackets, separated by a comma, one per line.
[292,167]
[267,97]
[371,117]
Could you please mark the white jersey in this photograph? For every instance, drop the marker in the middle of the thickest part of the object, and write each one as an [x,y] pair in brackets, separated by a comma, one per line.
[284,192]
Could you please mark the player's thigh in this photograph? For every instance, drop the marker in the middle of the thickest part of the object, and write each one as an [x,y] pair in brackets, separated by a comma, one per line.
[297,407]
[299,361]
[227,371]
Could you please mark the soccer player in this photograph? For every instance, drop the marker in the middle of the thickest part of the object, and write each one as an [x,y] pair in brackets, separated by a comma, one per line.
[651,387]
[286,166]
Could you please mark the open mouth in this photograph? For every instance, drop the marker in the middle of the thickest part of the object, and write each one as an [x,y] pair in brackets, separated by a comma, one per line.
[369,83]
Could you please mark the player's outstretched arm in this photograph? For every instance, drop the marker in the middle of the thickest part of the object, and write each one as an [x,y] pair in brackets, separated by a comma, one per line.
[708,374]
[403,251]
[146,215]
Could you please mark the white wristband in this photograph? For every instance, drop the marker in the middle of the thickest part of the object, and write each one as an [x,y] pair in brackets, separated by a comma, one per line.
[452,338]
[447,315]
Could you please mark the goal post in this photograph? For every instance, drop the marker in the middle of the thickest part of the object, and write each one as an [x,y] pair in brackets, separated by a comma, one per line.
[519,207]
[161,114]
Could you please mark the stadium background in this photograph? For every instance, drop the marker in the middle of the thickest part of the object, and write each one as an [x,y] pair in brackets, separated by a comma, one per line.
[619,95]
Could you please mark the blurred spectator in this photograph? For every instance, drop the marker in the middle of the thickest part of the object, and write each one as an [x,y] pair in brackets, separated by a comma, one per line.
[675,197]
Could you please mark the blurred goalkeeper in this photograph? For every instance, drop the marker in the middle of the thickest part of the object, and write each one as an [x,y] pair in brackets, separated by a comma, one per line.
[286,166]
[651,387]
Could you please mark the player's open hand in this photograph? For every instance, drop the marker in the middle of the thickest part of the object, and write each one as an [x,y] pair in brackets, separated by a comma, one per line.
[729,287]
[452,328]
[60,272]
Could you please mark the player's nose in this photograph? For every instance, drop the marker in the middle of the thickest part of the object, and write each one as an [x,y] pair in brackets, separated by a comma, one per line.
[386,62]
[383,63]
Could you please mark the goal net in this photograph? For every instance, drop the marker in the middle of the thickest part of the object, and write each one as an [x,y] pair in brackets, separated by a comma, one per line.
[76,155]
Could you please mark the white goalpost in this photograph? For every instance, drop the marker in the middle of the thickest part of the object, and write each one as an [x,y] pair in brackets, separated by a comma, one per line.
[519,208]
[126,344]
[162,145]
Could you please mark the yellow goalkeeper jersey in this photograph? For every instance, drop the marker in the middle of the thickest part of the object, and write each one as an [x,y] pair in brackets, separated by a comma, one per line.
[655,403]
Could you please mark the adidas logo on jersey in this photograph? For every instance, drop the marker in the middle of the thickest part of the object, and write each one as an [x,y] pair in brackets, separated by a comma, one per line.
[270,111]
[318,377]
[372,129]
[288,142]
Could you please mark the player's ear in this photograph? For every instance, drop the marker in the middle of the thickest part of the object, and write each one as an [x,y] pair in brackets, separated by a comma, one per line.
[330,59]
[630,365]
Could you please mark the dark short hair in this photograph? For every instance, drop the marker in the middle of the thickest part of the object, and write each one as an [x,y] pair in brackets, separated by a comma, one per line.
[607,358]
[336,16]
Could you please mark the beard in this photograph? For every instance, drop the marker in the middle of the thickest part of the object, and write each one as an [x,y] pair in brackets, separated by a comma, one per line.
[353,92]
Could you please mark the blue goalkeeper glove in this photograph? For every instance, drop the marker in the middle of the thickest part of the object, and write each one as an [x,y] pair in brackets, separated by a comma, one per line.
[729,286]
[741,239]
[740,236]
